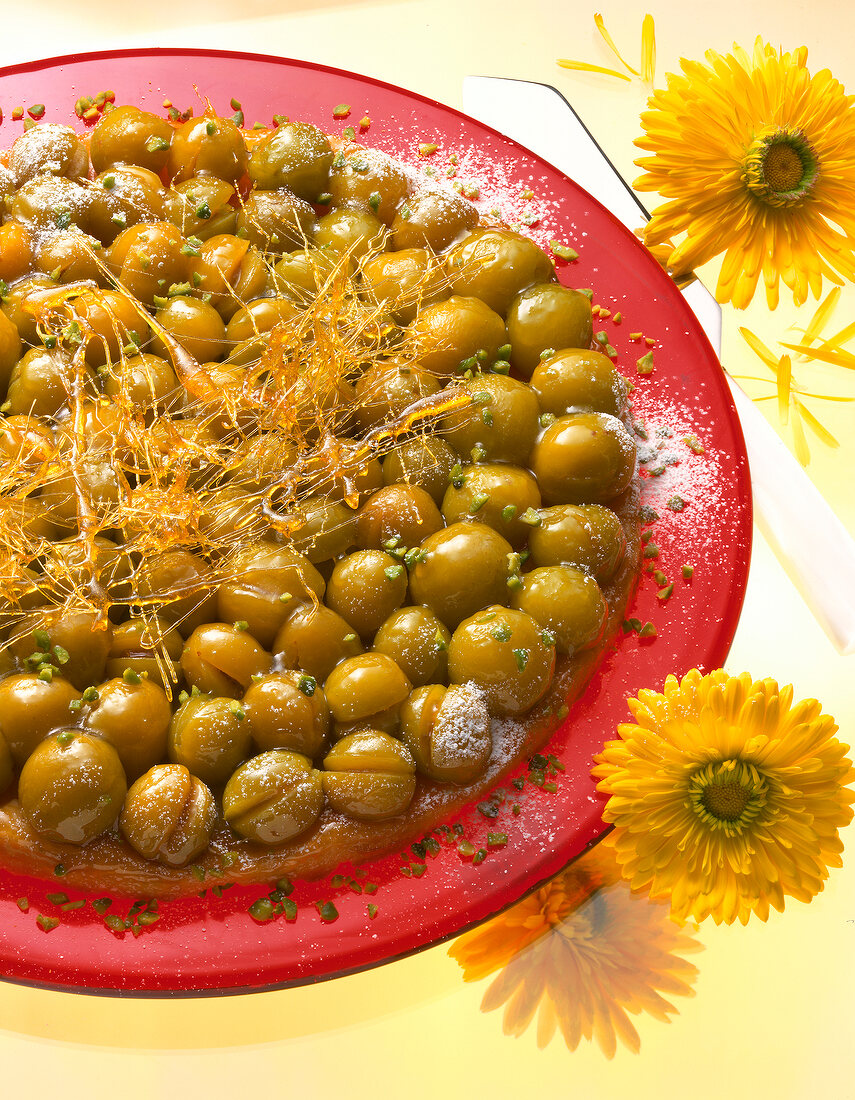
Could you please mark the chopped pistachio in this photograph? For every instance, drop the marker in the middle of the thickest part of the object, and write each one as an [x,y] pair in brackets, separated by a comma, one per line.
[531,517]
[694,444]
[261,910]
[307,684]
[564,251]
[645,363]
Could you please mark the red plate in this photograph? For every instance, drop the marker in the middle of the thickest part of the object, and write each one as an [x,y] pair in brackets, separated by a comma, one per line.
[703,502]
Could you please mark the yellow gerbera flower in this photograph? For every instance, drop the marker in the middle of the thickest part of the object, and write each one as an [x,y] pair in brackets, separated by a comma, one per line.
[757,158]
[727,797]
[581,952]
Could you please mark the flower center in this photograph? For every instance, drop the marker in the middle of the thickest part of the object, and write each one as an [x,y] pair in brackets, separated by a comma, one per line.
[780,166]
[726,801]
[728,794]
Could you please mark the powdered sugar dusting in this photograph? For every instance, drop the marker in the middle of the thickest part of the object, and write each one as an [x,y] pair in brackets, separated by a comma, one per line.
[46,148]
[461,728]
[509,736]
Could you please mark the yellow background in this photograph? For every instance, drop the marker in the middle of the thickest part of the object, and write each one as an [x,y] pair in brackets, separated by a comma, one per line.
[772,1015]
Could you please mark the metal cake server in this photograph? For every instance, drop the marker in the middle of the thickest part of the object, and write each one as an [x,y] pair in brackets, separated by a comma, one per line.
[812,544]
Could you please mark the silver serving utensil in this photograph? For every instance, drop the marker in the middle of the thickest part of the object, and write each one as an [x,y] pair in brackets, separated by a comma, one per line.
[812,544]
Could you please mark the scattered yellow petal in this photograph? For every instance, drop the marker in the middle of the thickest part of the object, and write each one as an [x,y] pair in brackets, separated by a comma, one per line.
[609,41]
[822,432]
[785,376]
[824,311]
[757,346]
[838,357]
[584,67]
[648,49]
[840,338]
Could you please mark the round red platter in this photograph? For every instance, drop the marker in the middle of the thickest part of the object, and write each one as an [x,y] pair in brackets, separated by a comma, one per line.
[698,500]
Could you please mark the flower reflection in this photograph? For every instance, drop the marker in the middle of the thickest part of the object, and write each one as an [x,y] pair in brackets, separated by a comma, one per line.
[583,953]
